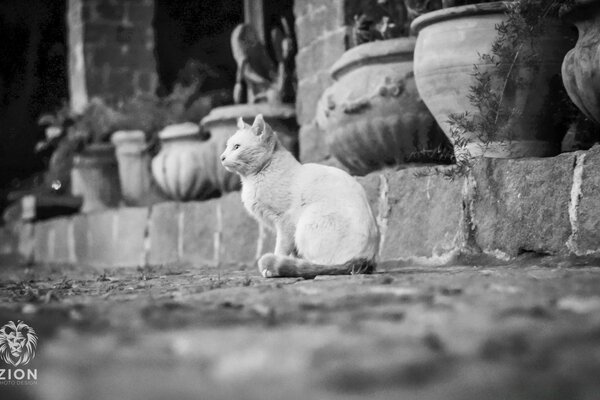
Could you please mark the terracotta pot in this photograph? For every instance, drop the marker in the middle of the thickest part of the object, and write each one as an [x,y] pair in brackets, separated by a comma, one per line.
[372,115]
[221,123]
[134,160]
[95,177]
[448,45]
[581,66]
[182,169]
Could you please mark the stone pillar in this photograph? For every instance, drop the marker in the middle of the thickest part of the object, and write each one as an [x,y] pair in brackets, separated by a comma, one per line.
[77,87]
[111,52]
[254,14]
[321,33]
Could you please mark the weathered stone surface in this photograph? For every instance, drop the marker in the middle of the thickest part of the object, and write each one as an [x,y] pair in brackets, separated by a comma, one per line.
[239,233]
[522,205]
[310,90]
[100,249]
[164,233]
[62,241]
[129,232]
[371,184]
[587,237]
[423,217]
[321,54]
[200,224]
[303,7]
[25,235]
[81,239]
[313,147]
[318,21]
[43,248]
[8,245]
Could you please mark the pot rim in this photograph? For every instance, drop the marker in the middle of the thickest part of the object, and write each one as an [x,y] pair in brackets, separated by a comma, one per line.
[233,112]
[123,136]
[457,12]
[378,52]
[178,131]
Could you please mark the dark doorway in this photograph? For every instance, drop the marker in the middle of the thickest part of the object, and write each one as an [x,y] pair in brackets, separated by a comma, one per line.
[33,79]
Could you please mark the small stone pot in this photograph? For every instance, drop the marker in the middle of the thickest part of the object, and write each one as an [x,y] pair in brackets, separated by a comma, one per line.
[182,169]
[95,177]
[221,123]
[134,168]
[581,66]
[372,116]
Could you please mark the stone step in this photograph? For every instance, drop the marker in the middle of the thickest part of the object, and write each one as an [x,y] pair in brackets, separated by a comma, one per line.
[502,208]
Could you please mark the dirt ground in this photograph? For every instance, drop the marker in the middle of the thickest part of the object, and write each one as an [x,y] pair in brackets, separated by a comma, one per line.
[526,330]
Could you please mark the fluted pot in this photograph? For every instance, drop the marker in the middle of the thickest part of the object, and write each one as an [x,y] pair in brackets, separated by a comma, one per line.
[581,66]
[221,123]
[95,177]
[449,43]
[182,168]
[134,168]
[372,116]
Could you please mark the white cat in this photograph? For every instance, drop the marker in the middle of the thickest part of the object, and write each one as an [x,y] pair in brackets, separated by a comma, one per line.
[321,215]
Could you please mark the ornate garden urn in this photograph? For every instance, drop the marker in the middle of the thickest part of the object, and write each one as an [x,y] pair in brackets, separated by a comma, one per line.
[372,115]
[581,66]
[183,167]
[449,46]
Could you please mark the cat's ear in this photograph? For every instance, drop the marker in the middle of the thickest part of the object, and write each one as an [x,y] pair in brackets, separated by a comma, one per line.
[261,128]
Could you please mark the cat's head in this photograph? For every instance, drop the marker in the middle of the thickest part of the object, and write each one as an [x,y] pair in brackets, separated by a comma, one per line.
[250,148]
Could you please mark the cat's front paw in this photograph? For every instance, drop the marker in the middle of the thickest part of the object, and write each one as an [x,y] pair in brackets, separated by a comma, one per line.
[267,265]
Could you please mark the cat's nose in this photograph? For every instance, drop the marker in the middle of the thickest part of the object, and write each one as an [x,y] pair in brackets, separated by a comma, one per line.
[223,157]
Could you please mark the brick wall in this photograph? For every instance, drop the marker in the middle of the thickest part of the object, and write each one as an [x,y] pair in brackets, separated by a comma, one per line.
[322,29]
[116,41]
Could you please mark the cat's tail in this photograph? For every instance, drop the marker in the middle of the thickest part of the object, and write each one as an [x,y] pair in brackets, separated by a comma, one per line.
[271,265]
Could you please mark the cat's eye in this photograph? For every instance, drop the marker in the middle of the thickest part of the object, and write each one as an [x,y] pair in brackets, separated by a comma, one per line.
[236,146]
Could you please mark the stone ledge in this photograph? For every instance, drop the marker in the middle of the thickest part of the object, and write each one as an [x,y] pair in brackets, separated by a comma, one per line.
[503,208]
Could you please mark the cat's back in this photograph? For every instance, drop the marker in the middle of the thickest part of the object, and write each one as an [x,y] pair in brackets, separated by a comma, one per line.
[321,182]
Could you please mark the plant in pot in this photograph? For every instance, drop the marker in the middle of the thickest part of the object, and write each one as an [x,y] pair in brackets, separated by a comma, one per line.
[263,86]
[372,115]
[94,172]
[494,84]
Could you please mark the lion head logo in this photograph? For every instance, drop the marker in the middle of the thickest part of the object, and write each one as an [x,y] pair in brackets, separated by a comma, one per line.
[17,343]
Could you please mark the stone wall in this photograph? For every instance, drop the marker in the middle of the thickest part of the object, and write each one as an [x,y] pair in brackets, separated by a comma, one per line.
[111,46]
[503,209]
[321,33]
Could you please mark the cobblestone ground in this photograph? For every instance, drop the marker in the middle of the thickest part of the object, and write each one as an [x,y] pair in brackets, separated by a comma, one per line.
[528,330]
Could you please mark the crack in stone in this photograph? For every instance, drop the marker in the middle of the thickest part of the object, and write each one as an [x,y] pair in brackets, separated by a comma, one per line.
[576,196]
[383,211]
[147,240]
[467,233]
[180,228]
